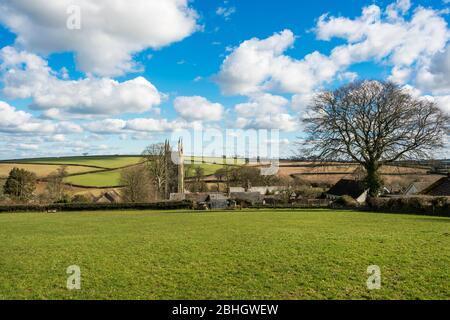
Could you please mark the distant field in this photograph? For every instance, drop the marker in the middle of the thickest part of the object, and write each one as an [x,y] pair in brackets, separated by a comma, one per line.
[40,170]
[110,162]
[98,179]
[214,160]
[208,169]
[224,255]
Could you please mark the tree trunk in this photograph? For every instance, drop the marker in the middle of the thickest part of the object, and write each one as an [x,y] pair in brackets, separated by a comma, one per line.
[373,179]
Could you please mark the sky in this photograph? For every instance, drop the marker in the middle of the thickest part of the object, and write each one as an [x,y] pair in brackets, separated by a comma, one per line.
[113,76]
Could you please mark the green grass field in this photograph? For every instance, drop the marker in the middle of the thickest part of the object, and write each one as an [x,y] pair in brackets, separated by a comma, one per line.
[224,255]
[109,162]
[98,179]
[208,169]
[44,166]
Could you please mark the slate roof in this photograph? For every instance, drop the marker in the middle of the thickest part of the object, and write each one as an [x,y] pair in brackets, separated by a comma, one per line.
[439,188]
[419,187]
[352,188]
[252,197]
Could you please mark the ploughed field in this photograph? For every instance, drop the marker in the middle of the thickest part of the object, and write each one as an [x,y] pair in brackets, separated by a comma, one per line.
[296,254]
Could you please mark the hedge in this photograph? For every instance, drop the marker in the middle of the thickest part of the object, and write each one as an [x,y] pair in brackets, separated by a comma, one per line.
[167,205]
[432,206]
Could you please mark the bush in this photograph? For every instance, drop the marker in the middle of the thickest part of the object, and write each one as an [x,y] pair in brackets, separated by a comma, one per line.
[439,206]
[167,205]
[81,198]
[347,202]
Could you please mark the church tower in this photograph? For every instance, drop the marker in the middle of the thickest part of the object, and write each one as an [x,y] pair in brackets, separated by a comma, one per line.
[180,167]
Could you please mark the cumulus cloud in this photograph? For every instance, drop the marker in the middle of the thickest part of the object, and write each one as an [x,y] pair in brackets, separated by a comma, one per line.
[20,122]
[283,122]
[399,41]
[261,105]
[26,75]
[198,108]
[259,65]
[137,125]
[107,126]
[265,111]
[435,75]
[111,31]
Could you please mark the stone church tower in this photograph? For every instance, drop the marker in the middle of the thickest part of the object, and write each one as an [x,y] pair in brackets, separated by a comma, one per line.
[180,167]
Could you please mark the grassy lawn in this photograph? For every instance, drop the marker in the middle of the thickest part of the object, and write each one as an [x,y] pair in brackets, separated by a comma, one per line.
[98,179]
[110,162]
[224,255]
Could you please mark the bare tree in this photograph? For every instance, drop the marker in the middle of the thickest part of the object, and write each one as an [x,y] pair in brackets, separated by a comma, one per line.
[162,170]
[373,123]
[56,188]
[137,184]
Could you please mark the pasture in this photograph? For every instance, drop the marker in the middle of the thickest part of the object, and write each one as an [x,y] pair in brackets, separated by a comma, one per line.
[107,162]
[266,254]
[96,179]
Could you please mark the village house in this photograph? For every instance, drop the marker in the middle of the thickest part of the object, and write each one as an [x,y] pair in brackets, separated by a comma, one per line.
[353,188]
[416,188]
[261,190]
[111,196]
[247,198]
[440,188]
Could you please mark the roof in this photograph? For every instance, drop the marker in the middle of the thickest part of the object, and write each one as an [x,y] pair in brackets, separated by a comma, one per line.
[113,196]
[236,189]
[352,188]
[439,188]
[109,197]
[419,187]
[197,197]
[216,196]
[247,196]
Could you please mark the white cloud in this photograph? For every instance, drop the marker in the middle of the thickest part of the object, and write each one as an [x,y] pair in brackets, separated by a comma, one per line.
[435,75]
[57,138]
[261,105]
[26,75]
[265,111]
[225,12]
[396,10]
[259,65]
[399,41]
[283,122]
[262,65]
[137,125]
[111,31]
[107,126]
[20,122]
[198,108]
[25,146]
[157,125]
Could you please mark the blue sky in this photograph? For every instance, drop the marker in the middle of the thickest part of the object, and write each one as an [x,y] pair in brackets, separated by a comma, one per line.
[129,77]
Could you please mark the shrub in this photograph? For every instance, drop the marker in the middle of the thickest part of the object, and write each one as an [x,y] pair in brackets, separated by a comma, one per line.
[420,205]
[346,201]
[81,198]
[167,205]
